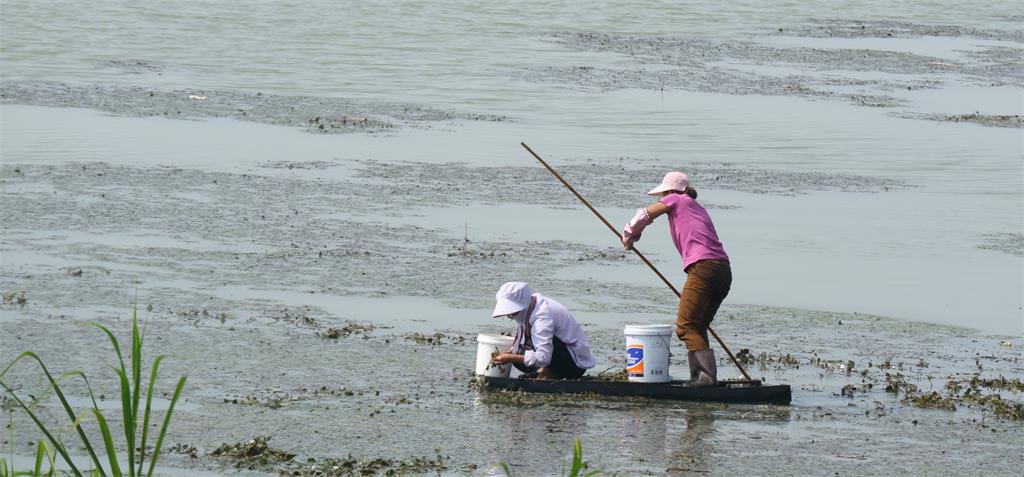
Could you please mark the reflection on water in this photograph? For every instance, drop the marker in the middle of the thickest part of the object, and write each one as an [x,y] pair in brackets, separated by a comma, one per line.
[692,448]
[531,434]
[653,437]
[642,435]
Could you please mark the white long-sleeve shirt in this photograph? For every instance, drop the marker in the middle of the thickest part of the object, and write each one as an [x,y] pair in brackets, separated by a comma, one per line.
[548,320]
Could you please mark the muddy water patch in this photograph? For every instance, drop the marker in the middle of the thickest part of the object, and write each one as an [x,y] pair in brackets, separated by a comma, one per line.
[175,232]
[327,115]
[991,120]
[713,80]
[257,454]
[844,28]
[316,402]
[134,67]
[803,70]
[314,165]
[1006,242]
[694,52]
[905,359]
[721,67]
[997,66]
[179,281]
[461,184]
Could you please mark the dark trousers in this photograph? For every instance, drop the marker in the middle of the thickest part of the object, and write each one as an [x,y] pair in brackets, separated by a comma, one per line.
[561,365]
[707,284]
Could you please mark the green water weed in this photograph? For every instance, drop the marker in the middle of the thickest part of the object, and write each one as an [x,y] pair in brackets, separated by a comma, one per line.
[130,383]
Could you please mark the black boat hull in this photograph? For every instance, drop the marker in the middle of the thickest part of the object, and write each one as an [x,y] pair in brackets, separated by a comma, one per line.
[749,392]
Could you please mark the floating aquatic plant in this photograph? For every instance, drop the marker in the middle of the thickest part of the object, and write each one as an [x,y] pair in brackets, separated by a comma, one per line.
[615,373]
[745,356]
[346,330]
[252,454]
[436,339]
[931,400]
[1001,382]
[994,403]
[350,466]
[972,396]
[16,298]
[256,454]
[130,380]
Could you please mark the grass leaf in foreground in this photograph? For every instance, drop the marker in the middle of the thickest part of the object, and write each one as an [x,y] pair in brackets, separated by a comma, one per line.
[575,470]
[130,384]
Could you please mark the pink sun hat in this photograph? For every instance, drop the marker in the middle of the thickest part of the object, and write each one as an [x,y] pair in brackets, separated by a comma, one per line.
[672,181]
[512,297]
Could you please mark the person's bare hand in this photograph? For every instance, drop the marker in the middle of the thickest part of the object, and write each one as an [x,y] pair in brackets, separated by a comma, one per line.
[503,358]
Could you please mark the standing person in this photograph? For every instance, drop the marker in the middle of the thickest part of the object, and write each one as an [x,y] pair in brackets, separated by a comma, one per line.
[549,341]
[708,274]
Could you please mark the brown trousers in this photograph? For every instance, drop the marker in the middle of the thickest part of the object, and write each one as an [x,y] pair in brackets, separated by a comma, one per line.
[707,284]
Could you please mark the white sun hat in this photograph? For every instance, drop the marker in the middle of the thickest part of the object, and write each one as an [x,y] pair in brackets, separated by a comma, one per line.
[512,297]
[672,181]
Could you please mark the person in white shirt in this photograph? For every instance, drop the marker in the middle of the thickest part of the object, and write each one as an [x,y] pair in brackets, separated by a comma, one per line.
[549,341]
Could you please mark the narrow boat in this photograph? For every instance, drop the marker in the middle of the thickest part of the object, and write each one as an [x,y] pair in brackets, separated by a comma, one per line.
[727,391]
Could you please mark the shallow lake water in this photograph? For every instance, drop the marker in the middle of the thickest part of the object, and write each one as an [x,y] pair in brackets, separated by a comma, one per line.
[315,203]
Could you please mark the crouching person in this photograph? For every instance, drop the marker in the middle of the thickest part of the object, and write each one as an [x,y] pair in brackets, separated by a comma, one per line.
[549,343]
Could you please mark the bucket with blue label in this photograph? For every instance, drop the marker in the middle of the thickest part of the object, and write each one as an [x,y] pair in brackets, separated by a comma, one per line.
[647,352]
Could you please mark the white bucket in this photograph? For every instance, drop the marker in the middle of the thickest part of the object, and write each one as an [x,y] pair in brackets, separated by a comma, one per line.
[486,345]
[647,351]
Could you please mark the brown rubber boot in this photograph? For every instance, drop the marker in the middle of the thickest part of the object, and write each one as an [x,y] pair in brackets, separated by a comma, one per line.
[705,359]
[694,370]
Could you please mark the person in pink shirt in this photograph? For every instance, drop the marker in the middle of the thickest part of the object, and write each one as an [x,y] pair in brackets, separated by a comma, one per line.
[708,274]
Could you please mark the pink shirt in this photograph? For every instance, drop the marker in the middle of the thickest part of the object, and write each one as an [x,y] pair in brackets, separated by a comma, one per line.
[692,230]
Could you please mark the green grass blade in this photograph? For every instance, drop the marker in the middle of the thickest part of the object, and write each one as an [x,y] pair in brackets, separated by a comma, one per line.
[10,441]
[505,468]
[129,420]
[45,431]
[108,441]
[163,428]
[136,360]
[146,414]
[51,459]
[123,371]
[127,403]
[40,454]
[113,341]
[64,402]
[137,378]
[577,458]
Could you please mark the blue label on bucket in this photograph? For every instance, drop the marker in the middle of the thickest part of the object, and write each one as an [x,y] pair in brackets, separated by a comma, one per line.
[635,360]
